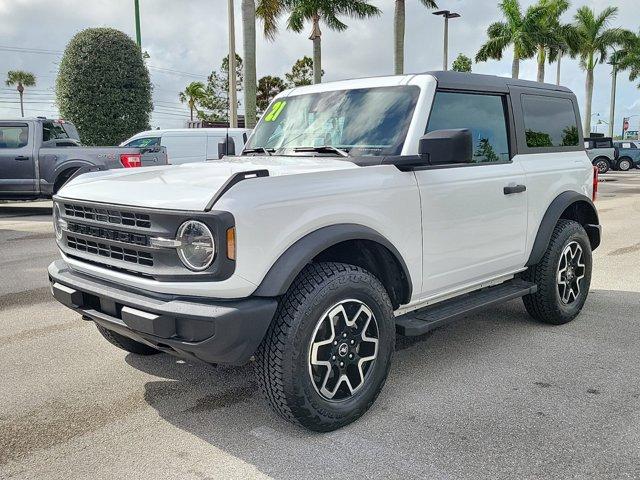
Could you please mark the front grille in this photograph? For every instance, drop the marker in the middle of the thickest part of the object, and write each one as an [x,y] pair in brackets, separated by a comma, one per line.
[110,251]
[108,215]
[109,234]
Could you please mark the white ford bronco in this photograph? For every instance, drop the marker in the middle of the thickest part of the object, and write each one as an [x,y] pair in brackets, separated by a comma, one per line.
[357,209]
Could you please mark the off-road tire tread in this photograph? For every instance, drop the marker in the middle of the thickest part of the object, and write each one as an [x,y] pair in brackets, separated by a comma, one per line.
[269,366]
[538,304]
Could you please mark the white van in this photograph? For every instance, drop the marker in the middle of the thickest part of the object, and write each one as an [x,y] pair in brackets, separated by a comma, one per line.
[187,145]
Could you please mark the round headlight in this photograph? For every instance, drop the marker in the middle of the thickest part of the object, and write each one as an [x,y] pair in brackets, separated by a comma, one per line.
[197,247]
[57,219]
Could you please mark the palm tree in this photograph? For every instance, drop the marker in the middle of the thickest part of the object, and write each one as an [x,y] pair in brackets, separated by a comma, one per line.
[550,31]
[518,29]
[21,79]
[249,53]
[398,33]
[193,95]
[568,44]
[594,39]
[629,57]
[315,11]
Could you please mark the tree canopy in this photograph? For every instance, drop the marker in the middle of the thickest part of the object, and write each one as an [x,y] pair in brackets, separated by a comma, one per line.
[103,86]
[462,63]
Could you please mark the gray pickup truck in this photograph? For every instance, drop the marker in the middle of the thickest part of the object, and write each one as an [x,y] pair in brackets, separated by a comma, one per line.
[38,155]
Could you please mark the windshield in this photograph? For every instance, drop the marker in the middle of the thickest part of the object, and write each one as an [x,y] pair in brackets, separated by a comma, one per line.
[367,121]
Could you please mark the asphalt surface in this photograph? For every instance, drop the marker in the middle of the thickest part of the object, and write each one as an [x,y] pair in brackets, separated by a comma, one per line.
[494,395]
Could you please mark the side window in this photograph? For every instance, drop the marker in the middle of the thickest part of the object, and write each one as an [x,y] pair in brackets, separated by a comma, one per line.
[484,115]
[144,142]
[550,122]
[14,136]
[53,131]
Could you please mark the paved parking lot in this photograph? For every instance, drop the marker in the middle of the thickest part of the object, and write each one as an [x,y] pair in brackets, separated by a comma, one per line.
[495,395]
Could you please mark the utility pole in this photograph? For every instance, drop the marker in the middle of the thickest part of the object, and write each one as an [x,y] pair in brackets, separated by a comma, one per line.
[233,96]
[447,15]
[614,77]
[136,3]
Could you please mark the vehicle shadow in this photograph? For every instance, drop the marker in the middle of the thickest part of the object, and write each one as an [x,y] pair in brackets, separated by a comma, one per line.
[474,399]
[9,210]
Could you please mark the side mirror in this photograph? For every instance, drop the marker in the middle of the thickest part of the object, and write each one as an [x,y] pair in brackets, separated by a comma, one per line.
[226,147]
[442,147]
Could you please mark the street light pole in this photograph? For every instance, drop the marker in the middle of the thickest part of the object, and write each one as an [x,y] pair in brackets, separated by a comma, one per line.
[614,78]
[136,4]
[233,96]
[445,54]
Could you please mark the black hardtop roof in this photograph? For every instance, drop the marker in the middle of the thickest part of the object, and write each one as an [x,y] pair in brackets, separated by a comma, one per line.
[478,82]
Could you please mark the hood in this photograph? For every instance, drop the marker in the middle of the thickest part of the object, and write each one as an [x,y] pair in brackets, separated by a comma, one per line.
[189,186]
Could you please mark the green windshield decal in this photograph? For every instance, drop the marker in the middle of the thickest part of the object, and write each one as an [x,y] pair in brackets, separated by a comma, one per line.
[275,112]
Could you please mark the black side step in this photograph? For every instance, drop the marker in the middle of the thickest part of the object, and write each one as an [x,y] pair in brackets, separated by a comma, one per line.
[421,321]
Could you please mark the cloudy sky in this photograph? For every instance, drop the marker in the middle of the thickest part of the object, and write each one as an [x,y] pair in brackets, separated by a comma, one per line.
[187,39]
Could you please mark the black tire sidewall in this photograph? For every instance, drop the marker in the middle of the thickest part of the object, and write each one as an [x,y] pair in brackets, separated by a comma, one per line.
[629,163]
[354,286]
[604,170]
[572,232]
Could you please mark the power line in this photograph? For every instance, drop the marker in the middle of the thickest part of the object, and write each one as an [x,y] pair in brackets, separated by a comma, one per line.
[41,51]
[178,72]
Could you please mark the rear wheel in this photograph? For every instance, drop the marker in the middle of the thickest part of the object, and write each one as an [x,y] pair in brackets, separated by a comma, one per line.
[62,179]
[602,164]
[327,353]
[563,276]
[624,164]
[125,343]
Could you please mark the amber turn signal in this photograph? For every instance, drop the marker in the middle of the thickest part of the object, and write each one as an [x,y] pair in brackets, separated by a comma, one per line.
[231,243]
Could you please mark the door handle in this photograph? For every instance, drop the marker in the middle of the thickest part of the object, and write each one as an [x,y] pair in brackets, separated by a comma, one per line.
[22,158]
[514,189]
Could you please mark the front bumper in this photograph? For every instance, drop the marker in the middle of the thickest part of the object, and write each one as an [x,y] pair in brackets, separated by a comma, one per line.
[213,331]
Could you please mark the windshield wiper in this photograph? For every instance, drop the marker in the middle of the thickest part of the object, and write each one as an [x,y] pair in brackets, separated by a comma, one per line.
[323,149]
[266,151]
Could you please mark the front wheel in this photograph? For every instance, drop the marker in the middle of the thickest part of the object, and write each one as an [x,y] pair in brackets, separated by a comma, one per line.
[563,276]
[625,164]
[602,164]
[328,350]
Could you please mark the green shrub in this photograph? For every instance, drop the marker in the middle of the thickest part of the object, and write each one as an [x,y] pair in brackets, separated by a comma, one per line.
[103,86]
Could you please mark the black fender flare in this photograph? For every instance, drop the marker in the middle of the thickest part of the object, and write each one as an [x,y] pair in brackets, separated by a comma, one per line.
[75,165]
[284,271]
[558,206]
[69,164]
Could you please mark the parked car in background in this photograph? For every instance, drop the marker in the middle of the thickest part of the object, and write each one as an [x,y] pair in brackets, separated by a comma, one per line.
[38,155]
[628,155]
[186,145]
[602,153]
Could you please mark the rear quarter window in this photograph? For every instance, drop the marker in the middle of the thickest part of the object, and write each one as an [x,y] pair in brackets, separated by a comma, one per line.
[549,122]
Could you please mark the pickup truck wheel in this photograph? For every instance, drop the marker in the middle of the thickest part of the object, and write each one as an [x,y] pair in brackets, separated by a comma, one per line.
[563,276]
[62,179]
[602,164]
[625,164]
[126,343]
[328,350]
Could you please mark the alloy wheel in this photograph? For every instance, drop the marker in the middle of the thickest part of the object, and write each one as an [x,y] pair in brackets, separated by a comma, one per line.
[343,350]
[602,166]
[624,165]
[571,272]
